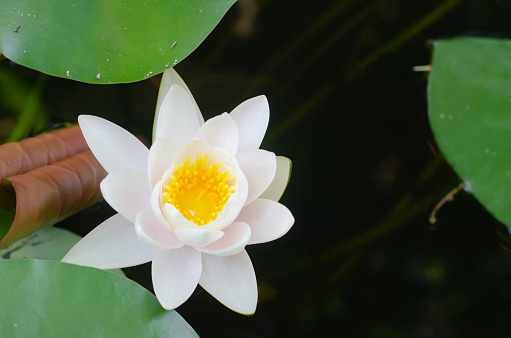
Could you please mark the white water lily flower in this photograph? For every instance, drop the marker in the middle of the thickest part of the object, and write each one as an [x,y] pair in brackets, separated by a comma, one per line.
[190,203]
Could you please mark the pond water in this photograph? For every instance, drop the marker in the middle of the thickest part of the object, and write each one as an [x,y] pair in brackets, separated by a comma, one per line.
[362,259]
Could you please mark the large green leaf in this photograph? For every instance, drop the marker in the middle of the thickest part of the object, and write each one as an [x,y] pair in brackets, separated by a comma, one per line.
[53,299]
[99,41]
[470,114]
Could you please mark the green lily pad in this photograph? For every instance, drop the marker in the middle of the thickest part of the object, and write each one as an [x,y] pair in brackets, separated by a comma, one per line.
[98,41]
[470,114]
[53,299]
[47,244]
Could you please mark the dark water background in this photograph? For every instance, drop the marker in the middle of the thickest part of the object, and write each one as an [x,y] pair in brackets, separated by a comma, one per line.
[362,259]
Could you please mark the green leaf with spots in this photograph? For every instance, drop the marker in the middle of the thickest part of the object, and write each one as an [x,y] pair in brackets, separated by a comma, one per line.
[469,98]
[53,299]
[98,41]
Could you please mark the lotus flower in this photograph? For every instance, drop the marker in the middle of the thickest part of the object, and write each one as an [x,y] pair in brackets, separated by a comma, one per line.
[192,202]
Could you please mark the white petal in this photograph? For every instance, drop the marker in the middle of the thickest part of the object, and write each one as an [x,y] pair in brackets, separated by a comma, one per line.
[156,205]
[178,117]
[236,236]
[231,280]
[259,167]
[114,147]
[198,146]
[268,220]
[150,231]
[169,78]
[221,132]
[279,183]
[160,157]
[197,237]
[175,275]
[127,192]
[252,118]
[111,245]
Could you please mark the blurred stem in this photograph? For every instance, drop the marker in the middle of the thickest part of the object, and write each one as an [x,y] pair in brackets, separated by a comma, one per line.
[297,43]
[301,39]
[220,47]
[32,116]
[334,38]
[403,38]
[405,210]
[304,109]
[337,274]
[329,89]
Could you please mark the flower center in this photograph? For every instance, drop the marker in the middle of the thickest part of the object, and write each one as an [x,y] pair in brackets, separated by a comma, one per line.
[197,191]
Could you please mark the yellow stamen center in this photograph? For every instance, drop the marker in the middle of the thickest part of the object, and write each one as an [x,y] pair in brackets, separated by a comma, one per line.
[198,191]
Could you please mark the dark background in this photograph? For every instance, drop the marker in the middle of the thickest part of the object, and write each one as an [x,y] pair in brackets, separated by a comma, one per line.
[362,259]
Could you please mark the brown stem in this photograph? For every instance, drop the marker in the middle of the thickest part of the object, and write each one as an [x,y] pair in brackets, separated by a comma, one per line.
[447,198]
